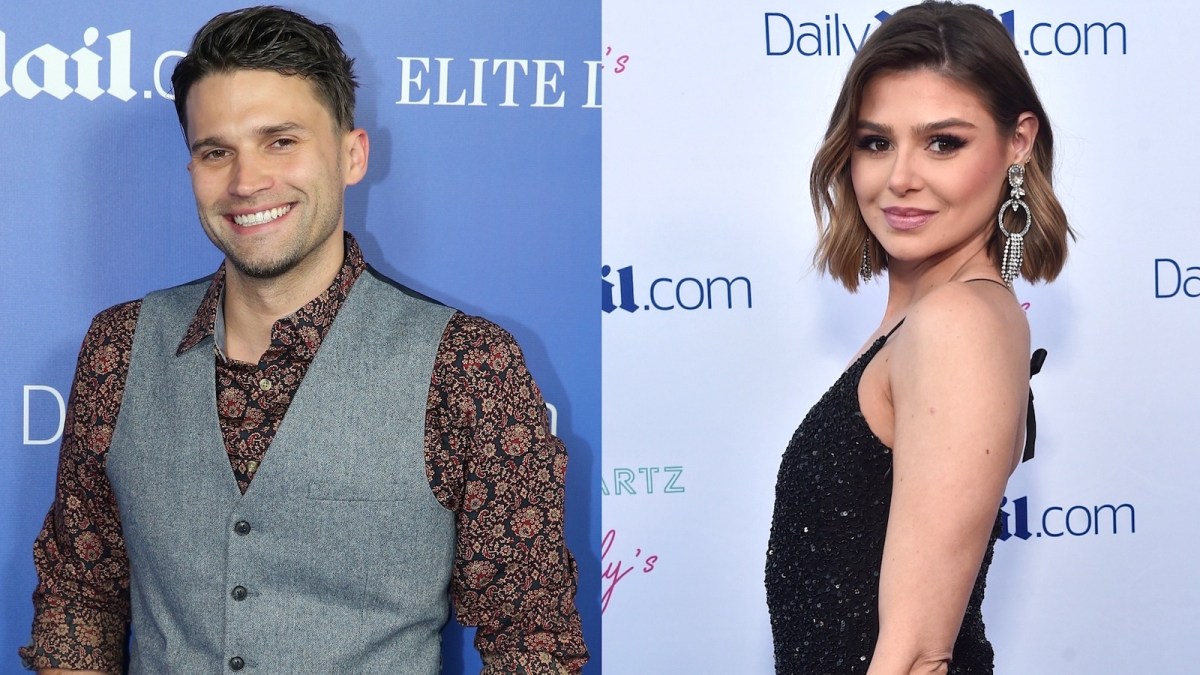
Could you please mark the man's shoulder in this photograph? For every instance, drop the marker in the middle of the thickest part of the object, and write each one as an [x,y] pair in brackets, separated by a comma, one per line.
[469,330]
[195,287]
[481,352]
[115,325]
[121,317]
[397,287]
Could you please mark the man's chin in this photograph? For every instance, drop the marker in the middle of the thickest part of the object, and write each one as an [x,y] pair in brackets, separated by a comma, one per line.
[262,270]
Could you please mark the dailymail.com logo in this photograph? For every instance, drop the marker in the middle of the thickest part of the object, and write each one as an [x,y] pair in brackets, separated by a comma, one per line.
[91,69]
[620,290]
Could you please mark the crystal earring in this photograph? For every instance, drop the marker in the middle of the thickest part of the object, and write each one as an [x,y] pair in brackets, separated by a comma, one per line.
[864,268]
[1014,242]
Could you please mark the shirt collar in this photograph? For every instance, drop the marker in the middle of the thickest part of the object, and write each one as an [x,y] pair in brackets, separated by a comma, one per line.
[209,320]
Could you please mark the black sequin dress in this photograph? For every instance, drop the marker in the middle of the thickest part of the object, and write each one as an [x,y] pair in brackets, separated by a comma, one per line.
[826,548]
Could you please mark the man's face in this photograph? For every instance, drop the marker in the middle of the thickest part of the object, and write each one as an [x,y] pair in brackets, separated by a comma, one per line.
[269,170]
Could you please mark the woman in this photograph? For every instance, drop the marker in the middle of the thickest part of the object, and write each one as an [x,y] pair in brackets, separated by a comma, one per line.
[936,168]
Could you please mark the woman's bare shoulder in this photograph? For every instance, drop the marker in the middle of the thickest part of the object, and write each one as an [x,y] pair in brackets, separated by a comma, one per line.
[969,314]
[961,334]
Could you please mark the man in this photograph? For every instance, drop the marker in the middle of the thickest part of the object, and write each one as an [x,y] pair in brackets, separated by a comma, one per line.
[410,463]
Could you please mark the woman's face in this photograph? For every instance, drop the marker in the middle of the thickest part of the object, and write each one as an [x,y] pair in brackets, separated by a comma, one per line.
[927,165]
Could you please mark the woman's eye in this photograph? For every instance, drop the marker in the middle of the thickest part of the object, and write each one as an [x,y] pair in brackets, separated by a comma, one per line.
[874,144]
[945,144]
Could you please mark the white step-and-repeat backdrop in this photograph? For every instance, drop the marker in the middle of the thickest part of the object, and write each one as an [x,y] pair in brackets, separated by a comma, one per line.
[483,192]
[718,336]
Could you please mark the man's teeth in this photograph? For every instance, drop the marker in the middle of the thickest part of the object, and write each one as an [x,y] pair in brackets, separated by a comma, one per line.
[262,216]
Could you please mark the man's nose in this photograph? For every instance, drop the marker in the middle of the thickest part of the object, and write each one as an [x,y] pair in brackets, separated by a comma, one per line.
[251,174]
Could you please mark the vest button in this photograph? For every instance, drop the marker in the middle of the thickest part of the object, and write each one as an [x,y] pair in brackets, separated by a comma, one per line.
[236,663]
[264,384]
[238,593]
[242,528]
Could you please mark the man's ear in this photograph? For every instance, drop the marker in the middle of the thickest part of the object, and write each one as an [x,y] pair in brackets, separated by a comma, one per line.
[356,149]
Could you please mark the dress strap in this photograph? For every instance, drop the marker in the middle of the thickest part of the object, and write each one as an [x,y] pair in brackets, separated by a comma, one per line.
[967,281]
[1035,367]
[894,328]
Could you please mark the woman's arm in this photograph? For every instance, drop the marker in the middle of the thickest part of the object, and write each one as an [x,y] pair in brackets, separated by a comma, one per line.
[957,376]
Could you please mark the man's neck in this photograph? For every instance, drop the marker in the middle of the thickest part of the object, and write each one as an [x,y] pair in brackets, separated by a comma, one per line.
[252,306]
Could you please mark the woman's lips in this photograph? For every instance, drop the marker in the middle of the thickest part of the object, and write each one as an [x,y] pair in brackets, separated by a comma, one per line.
[907,218]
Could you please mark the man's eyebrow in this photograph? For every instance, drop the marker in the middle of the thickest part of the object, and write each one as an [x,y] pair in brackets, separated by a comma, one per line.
[268,130]
[920,129]
[206,142]
[281,128]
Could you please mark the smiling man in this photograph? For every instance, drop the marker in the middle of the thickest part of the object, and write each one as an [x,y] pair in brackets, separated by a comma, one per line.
[297,465]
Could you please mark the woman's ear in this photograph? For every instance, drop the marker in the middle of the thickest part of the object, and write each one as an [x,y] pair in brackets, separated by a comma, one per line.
[1023,137]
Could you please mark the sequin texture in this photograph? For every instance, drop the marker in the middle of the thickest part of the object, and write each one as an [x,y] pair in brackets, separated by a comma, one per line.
[831,510]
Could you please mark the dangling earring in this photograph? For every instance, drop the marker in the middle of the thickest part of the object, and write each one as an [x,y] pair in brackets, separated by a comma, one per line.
[1014,242]
[864,269]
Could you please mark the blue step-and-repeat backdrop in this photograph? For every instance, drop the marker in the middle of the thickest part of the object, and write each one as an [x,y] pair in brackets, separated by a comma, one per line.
[483,192]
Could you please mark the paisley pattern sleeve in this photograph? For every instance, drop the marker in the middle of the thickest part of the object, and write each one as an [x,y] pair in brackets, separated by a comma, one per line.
[492,460]
[81,603]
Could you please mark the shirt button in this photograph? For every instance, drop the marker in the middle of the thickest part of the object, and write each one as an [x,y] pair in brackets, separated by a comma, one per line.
[264,384]
[238,593]
[236,663]
[242,528]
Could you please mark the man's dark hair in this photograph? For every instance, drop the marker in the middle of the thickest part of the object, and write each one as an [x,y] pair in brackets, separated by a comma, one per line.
[274,39]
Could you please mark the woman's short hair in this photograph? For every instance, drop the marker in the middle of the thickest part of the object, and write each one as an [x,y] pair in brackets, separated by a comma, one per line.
[968,45]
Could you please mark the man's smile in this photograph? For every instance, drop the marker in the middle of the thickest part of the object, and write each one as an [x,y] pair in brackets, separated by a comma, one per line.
[260,217]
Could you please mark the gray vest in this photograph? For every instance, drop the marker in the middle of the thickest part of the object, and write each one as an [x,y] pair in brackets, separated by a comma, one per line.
[337,559]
